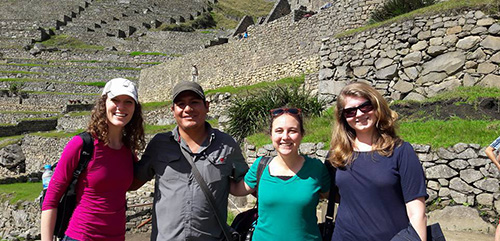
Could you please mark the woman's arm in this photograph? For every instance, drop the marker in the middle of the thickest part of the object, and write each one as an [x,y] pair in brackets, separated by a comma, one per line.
[240,188]
[48,222]
[416,214]
[490,152]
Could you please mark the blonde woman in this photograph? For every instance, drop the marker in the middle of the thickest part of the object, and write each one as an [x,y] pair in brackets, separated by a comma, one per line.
[380,180]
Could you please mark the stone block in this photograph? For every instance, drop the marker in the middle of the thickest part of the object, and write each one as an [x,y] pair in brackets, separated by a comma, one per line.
[454,30]
[489,185]
[431,78]
[415,97]
[470,175]
[412,59]
[440,171]
[460,218]
[436,50]
[468,42]
[458,197]
[383,62]
[485,22]
[387,73]
[491,42]
[495,58]
[478,54]
[459,185]
[361,71]
[490,80]
[485,199]
[370,43]
[403,86]
[486,68]
[420,45]
[494,29]
[448,62]
[459,164]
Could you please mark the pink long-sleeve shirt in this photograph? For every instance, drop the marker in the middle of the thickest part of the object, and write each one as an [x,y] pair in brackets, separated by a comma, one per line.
[101,188]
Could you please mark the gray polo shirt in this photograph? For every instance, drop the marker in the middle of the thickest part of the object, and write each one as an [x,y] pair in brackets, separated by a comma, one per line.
[181,210]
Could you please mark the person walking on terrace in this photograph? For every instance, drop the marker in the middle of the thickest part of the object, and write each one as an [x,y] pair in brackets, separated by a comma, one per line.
[181,211]
[379,177]
[116,125]
[194,73]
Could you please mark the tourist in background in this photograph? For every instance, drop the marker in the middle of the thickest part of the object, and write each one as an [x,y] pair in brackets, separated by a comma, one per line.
[290,186]
[490,152]
[116,125]
[380,180]
[194,73]
[181,210]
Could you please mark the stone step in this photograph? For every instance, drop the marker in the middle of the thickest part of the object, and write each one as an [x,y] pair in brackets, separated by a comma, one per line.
[51,86]
[13,117]
[75,63]
[45,101]
[74,73]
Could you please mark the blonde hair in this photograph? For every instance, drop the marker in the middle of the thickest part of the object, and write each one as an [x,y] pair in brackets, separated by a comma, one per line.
[133,133]
[343,136]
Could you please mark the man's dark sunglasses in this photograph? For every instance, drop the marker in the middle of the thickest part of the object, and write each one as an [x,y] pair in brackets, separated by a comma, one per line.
[351,112]
[280,111]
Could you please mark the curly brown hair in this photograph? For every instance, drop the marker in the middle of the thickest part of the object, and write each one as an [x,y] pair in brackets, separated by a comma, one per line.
[133,134]
[343,136]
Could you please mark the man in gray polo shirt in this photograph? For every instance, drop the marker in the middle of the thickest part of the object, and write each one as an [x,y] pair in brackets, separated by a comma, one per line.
[181,210]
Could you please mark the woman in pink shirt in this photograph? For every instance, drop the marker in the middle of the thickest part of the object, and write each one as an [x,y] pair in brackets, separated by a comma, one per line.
[117,128]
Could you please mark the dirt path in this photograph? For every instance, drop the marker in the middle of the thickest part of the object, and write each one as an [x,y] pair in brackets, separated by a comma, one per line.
[450,236]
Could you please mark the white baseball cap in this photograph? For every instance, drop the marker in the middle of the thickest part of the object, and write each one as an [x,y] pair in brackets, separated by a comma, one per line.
[120,86]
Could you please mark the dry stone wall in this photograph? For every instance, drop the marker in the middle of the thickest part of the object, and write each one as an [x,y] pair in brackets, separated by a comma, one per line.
[415,59]
[272,51]
[457,175]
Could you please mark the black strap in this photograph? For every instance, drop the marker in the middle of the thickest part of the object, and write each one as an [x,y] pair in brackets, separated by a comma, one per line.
[208,194]
[333,191]
[85,156]
[264,161]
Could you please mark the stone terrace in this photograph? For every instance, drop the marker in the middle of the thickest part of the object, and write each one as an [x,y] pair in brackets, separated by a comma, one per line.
[108,23]
[52,80]
[20,19]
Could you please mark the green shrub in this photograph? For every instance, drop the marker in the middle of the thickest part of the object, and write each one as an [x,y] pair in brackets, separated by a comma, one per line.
[204,21]
[250,114]
[393,8]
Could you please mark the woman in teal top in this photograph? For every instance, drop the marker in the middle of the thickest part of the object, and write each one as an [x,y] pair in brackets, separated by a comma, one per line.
[290,186]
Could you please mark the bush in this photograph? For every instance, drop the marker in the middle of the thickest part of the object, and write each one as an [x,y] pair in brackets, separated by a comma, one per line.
[204,21]
[393,8]
[250,114]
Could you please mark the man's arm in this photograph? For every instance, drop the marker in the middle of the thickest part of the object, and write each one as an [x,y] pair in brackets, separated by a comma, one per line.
[490,152]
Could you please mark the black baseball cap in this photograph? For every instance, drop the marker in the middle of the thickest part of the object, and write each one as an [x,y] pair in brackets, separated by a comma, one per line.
[187,86]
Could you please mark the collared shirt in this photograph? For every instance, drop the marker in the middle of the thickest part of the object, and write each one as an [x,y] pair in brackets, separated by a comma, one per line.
[181,210]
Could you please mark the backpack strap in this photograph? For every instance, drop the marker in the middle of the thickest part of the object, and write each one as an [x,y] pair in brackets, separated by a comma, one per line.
[85,156]
[264,161]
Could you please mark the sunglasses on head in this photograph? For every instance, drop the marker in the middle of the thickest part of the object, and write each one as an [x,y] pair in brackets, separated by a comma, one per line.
[280,111]
[351,112]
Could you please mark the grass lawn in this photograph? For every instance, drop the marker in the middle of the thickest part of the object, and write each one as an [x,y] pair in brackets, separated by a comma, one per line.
[20,191]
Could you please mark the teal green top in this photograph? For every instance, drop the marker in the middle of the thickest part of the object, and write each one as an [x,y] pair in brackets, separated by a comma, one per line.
[287,208]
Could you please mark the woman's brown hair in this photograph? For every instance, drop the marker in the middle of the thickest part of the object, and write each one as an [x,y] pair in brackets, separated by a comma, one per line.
[343,136]
[133,133]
